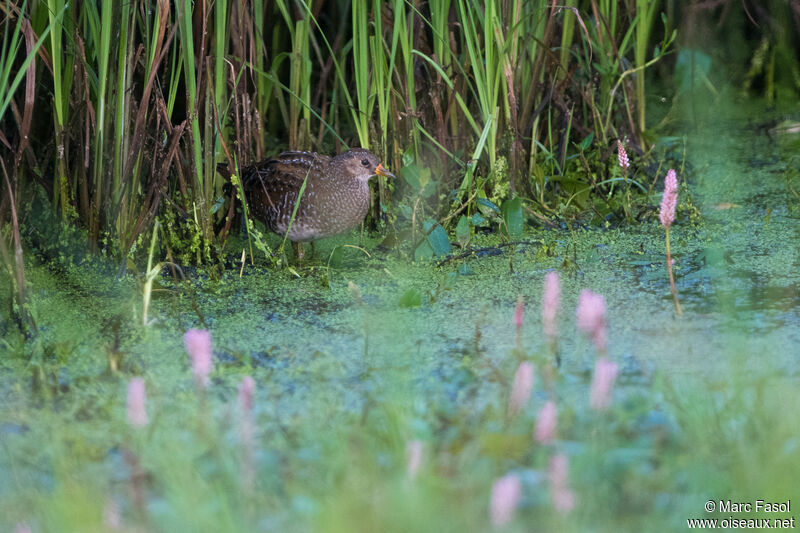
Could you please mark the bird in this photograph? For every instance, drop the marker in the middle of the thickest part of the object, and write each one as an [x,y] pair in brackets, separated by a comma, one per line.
[335,200]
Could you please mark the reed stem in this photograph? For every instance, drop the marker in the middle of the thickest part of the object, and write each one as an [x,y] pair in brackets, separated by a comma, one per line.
[672,279]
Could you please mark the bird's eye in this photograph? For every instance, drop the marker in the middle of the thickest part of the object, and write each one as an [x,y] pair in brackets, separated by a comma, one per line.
[365,162]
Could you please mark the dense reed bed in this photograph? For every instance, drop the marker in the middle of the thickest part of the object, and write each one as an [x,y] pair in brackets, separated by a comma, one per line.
[117,114]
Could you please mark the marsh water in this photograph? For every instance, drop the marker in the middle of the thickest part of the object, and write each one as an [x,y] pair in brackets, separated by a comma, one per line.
[423,335]
[736,267]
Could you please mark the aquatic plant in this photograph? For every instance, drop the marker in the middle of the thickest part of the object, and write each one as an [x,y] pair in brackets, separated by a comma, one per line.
[622,156]
[558,477]
[551,297]
[246,390]
[198,346]
[624,163]
[591,318]
[137,399]
[521,387]
[669,201]
[602,388]
[518,321]
[414,451]
[246,431]
[506,493]
[546,422]
[112,518]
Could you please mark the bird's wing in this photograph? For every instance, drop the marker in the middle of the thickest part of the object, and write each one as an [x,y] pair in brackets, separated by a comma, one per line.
[281,177]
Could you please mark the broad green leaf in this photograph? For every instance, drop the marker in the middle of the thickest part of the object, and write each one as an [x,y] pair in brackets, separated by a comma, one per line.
[463,231]
[477,220]
[408,156]
[691,69]
[410,173]
[437,238]
[512,215]
[483,202]
[423,252]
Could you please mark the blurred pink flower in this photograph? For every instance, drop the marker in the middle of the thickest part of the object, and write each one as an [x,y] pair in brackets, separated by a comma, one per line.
[521,388]
[198,345]
[246,389]
[355,292]
[518,313]
[137,398]
[563,497]
[605,372]
[669,200]
[22,527]
[413,458]
[600,338]
[545,432]
[591,311]
[111,516]
[506,493]
[550,301]
[622,155]
[591,315]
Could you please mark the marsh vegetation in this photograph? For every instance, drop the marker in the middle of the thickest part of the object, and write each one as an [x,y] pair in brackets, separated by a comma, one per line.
[167,365]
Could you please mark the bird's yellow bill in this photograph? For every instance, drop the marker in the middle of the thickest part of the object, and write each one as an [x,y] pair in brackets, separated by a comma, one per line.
[380,170]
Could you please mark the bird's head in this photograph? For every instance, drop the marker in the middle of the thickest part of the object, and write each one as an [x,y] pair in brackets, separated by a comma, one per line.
[360,164]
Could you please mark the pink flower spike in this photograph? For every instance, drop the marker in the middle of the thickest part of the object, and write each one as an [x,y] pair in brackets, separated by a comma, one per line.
[198,345]
[622,155]
[22,527]
[521,388]
[545,432]
[563,497]
[518,313]
[111,516]
[246,390]
[413,458]
[550,301]
[591,315]
[506,493]
[591,311]
[605,373]
[600,339]
[669,200]
[137,398]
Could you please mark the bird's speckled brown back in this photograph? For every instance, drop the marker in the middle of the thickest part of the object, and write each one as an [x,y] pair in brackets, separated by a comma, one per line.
[335,200]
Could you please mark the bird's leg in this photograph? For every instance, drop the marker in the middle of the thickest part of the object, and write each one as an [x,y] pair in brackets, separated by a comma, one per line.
[299,254]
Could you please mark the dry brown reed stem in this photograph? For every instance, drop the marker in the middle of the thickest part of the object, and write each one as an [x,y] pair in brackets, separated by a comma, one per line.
[19,264]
